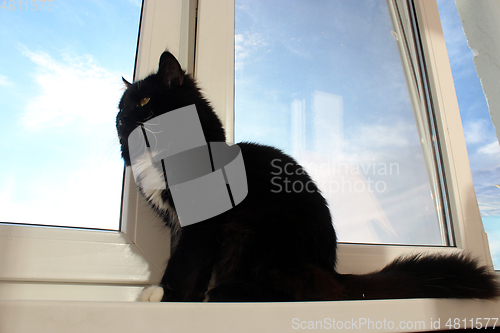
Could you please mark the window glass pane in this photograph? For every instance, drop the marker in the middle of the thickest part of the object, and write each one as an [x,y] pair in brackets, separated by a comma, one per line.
[324,82]
[60,78]
[480,137]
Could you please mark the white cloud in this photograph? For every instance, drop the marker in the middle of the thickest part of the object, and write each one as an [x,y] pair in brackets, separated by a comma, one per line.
[74,88]
[393,135]
[88,197]
[4,81]
[475,131]
[246,45]
[74,91]
[492,148]
[377,140]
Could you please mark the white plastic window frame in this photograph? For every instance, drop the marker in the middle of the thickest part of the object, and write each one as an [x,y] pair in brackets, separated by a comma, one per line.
[215,72]
[58,263]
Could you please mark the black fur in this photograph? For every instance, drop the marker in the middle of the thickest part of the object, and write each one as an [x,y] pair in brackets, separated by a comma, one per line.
[429,276]
[276,245]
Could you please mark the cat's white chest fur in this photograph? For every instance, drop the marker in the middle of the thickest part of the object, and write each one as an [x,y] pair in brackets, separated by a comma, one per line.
[151,181]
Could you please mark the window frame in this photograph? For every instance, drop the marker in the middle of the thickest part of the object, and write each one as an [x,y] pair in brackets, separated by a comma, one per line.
[99,265]
[215,49]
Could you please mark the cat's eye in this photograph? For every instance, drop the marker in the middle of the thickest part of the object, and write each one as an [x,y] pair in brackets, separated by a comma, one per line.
[144,101]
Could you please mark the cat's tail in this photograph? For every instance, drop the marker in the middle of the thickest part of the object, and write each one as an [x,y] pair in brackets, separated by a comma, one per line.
[423,276]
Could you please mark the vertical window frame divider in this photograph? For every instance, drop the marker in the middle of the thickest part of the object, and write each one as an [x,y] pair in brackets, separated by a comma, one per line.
[214,60]
[166,25]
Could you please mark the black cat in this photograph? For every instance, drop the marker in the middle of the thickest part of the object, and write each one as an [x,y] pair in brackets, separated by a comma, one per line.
[275,245]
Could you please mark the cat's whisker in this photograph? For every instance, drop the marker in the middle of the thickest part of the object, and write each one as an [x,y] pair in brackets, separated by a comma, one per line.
[151,115]
[153,133]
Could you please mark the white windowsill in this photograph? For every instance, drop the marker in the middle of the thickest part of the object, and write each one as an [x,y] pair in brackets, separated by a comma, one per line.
[57,255]
[77,316]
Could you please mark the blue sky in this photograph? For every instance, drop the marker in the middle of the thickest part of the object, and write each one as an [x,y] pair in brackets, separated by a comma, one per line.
[60,82]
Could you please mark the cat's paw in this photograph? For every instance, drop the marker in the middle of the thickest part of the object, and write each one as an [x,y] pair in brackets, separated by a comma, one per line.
[151,294]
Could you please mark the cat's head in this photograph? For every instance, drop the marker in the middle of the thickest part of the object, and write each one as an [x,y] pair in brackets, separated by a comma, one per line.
[166,90]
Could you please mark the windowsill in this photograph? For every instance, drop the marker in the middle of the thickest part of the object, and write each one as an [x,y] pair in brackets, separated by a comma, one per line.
[78,316]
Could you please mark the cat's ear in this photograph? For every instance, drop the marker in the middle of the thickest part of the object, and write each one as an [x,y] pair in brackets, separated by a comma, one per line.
[127,84]
[170,70]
